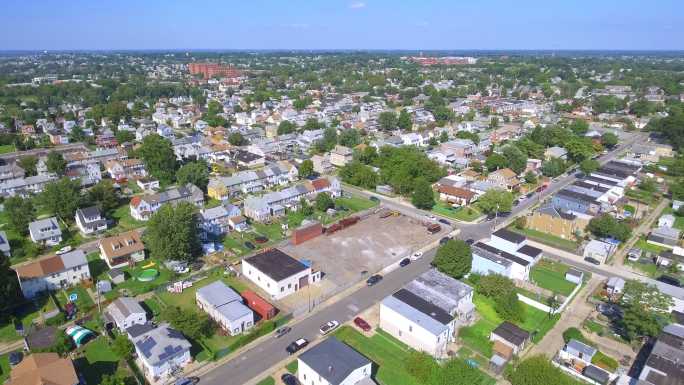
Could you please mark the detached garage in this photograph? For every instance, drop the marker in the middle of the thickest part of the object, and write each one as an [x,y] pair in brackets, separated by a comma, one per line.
[277,273]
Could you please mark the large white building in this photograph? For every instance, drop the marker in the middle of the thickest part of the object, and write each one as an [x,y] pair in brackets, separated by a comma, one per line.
[277,273]
[225,307]
[53,273]
[426,313]
[333,363]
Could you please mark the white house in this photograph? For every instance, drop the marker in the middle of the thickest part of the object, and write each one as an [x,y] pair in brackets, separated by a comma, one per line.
[46,231]
[225,307]
[426,312]
[142,207]
[277,273]
[332,362]
[52,273]
[598,250]
[125,312]
[90,221]
[666,220]
[161,350]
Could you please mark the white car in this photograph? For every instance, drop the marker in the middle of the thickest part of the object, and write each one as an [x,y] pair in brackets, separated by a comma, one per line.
[417,255]
[64,250]
[431,217]
[328,327]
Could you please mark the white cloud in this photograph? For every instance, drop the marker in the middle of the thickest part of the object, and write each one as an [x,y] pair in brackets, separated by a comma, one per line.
[357,5]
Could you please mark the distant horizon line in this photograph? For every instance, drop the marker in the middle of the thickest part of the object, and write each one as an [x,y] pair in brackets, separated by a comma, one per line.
[462,50]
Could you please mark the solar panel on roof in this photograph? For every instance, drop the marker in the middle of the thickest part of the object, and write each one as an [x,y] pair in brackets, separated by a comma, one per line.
[146,346]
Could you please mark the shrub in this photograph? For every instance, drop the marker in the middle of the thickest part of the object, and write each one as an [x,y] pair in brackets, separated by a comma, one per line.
[573,334]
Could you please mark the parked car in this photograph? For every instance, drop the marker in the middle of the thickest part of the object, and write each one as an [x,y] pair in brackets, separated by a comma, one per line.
[431,217]
[374,199]
[470,241]
[444,240]
[417,255]
[434,228]
[187,381]
[444,221]
[362,324]
[261,239]
[289,379]
[250,245]
[405,262]
[328,327]
[64,250]
[592,260]
[611,311]
[297,345]
[14,358]
[282,331]
[669,280]
[374,279]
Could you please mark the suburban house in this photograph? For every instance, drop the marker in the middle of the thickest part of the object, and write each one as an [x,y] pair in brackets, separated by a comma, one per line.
[123,169]
[666,220]
[574,202]
[509,340]
[46,231]
[506,253]
[53,273]
[321,164]
[615,286]
[161,350]
[125,312]
[456,196]
[5,248]
[667,258]
[26,186]
[89,220]
[547,219]
[44,369]
[215,221]
[504,178]
[556,152]
[142,207]
[578,356]
[665,237]
[123,249]
[333,362]
[599,250]
[225,307]
[245,182]
[426,313]
[273,204]
[238,223]
[664,363]
[277,273]
[340,156]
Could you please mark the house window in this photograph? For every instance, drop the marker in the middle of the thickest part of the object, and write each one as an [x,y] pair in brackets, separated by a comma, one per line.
[410,328]
[289,285]
[282,289]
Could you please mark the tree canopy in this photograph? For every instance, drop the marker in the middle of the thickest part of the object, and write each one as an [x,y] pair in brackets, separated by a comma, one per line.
[196,173]
[454,258]
[605,225]
[171,233]
[159,158]
[496,200]
[422,197]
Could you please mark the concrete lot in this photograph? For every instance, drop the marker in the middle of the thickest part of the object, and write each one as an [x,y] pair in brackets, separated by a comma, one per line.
[370,245]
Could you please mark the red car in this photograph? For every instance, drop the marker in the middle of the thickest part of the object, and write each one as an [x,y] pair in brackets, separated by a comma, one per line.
[362,324]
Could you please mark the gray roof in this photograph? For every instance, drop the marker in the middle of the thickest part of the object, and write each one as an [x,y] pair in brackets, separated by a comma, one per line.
[217,294]
[45,228]
[74,258]
[122,307]
[161,344]
[410,311]
[439,289]
[234,310]
[214,213]
[333,360]
[575,347]
[597,374]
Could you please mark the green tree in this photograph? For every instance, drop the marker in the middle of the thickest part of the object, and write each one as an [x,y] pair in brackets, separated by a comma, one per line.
[196,173]
[55,163]
[9,288]
[312,124]
[61,198]
[159,158]
[496,200]
[349,138]
[495,162]
[609,139]
[443,137]
[553,167]
[641,294]
[649,185]
[236,139]
[328,141]
[324,202]
[358,174]
[29,163]
[387,120]
[454,258]
[493,122]
[495,285]
[171,233]
[104,196]
[20,212]
[516,160]
[123,136]
[306,169]
[605,225]
[193,324]
[122,346]
[77,134]
[538,370]
[404,121]
[588,166]
[530,177]
[579,127]
[579,149]
[422,197]
[286,127]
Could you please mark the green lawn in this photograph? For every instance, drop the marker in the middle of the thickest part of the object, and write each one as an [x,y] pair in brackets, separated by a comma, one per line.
[6,148]
[292,367]
[355,204]
[25,314]
[186,299]
[551,276]
[267,381]
[83,302]
[546,239]
[645,246]
[124,220]
[4,368]
[465,214]
[98,360]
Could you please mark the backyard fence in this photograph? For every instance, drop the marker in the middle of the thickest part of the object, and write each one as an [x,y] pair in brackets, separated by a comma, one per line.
[546,308]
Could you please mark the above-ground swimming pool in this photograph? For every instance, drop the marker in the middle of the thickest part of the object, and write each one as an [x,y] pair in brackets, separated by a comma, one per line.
[148,275]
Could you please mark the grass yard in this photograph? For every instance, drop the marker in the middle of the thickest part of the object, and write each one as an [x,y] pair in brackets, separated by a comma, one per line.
[292,366]
[83,300]
[24,314]
[4,368]
[465,214]
[645,246]
[267,381]
[355,204]
[186,299]
[7,148]
[124,220]
[98,360]
[551,276]
[546,239]
[641,196]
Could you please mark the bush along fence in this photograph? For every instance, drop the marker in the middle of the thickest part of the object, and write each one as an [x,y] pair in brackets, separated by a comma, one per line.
[265,328]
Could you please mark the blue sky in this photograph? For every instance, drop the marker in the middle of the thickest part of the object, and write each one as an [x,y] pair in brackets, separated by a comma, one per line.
[337,24]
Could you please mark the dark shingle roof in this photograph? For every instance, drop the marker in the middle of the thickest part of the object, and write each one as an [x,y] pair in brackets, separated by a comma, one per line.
[510,236]
[276,264]
[424,306]
[333,360]
[511,333]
